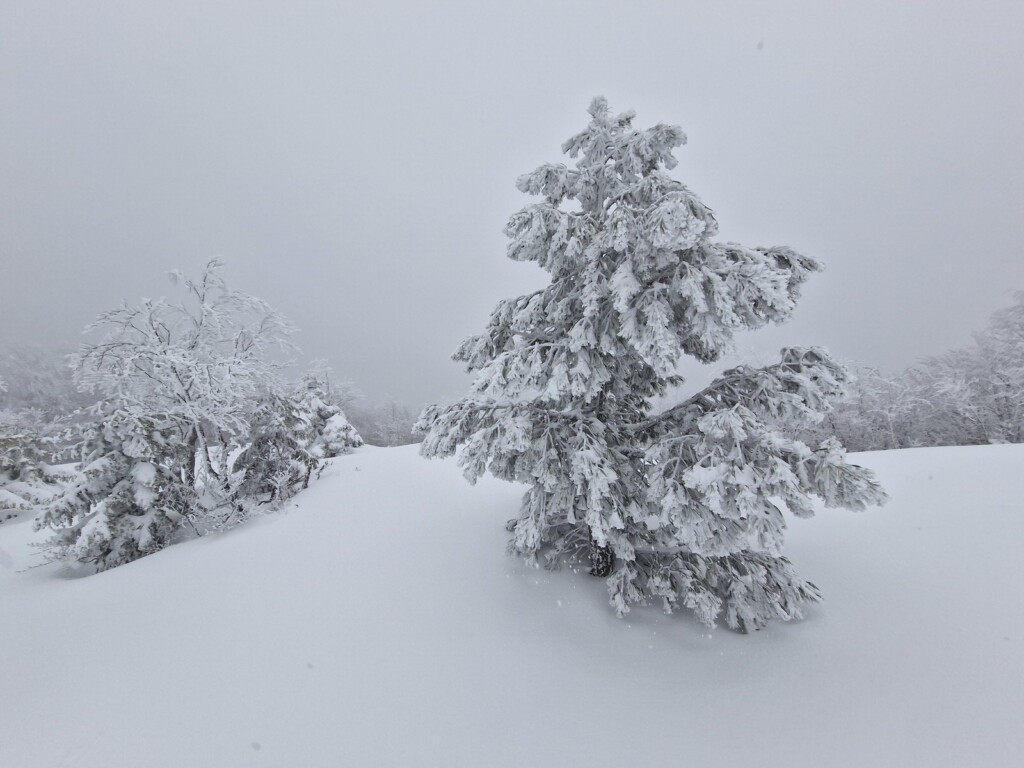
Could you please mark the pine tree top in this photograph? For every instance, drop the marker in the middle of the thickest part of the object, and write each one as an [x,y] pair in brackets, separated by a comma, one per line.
[636,281]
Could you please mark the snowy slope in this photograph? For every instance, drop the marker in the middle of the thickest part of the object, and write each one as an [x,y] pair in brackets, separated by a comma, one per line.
[377,622]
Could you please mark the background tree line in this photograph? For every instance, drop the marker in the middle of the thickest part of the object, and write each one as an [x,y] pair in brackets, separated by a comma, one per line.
[968,396]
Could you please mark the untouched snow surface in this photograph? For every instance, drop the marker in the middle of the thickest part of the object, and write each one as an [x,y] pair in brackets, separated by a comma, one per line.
[377,622]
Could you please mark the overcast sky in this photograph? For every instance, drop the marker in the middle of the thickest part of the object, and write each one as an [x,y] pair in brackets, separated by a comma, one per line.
[354,163]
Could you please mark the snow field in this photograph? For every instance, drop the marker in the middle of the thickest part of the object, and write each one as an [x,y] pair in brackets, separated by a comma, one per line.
[377,622]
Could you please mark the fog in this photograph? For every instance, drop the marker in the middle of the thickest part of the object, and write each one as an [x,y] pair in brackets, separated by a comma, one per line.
[354,164]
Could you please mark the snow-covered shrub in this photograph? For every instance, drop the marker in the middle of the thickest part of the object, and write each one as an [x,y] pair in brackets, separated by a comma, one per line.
[193,425]
[289,438]
[337,437]
[129,497]
[278,457]
[329,432]
[30,449]
[685,505]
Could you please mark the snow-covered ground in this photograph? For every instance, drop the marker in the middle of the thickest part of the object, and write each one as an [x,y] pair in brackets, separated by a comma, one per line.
[377,622]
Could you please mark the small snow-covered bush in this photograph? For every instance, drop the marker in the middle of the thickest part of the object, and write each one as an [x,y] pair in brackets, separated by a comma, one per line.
[328,431]
[337,437]
[129,496]
[27,475]
[278,457]
[289,437]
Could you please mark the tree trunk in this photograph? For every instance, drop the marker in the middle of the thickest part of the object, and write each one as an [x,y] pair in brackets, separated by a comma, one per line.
[602,559]
[190,467]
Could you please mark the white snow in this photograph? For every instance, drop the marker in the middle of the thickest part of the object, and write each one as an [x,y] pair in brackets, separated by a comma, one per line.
[377,622]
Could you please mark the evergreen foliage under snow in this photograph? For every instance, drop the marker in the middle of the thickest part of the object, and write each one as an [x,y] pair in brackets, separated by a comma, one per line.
[129,495]
[27,475]
[684,505]
[289,437]
[329,432]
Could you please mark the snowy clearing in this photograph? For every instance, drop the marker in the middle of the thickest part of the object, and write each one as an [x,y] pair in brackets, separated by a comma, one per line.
[377,622]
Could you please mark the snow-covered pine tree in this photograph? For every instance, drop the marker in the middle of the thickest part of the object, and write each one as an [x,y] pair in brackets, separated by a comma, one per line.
[278,457]
[129,497]
[337,437]
[330,433]
[290,436]
[24,453]
[26,477]
[685,505]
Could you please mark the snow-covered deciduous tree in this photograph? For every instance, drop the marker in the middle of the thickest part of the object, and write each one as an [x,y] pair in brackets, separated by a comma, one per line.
[685,505]
[968,396]
[1001,355]
[975,395]
[186,386]
[199,363]
[879,412]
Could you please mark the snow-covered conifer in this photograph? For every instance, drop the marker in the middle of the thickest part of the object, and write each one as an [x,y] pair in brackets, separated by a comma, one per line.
[685,505]
[289,438]
[337,437]
[129,496]
[23,452]
[278,457]
[330,433]
[26,477]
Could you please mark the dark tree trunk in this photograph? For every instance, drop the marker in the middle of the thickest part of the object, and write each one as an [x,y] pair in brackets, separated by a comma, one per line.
[190,467]
[602,559]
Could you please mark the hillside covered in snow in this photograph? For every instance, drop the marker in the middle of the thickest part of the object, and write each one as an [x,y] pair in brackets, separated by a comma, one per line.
[377,622]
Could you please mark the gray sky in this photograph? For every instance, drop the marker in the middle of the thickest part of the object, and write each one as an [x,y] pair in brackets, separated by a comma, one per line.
[354,163]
